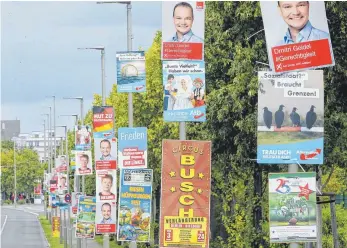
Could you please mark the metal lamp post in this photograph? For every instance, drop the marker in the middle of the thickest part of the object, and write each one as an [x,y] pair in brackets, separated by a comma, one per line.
[77,177]
[130,95]
[103,88]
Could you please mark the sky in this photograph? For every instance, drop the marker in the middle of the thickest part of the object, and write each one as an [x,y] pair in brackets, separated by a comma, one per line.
[39,55]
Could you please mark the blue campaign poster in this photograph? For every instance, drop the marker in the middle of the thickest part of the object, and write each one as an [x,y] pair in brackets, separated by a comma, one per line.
[291,118]
[134,211]
[184,91]
[132,147]
[131,71]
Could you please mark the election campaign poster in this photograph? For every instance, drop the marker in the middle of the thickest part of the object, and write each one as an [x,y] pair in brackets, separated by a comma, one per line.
[105,151]
[292,207]
[84,163]
[134,211]
[132,147]
[131,71]
[183,27]
[297,35]
[55,227]
[103,121]
[61,163]
[62,182]
[85,227]
[72,160]
[185,193]
[106,185]
[53,183]
[106,217]
[83,137]
[74,203]
[291,117]
[184,91]
[38,189]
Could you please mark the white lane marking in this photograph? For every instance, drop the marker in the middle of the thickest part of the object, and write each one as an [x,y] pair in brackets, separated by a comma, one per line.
[18,209]
[2,228]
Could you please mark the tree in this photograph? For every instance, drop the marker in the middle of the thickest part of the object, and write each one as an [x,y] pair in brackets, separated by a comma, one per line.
[28,170]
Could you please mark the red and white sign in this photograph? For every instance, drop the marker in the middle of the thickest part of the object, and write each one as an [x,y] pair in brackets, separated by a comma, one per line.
[301,55]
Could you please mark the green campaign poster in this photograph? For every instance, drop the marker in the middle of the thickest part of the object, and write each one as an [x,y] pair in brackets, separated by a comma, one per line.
[292,207]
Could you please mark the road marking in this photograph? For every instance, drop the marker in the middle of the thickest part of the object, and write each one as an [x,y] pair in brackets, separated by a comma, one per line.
[18,209]
[2,228]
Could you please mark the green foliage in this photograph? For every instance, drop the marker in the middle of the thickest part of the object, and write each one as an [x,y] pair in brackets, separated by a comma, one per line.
[341,217]
[21,202]
[28,167]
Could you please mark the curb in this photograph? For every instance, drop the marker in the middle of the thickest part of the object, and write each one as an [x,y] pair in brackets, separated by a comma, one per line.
[42,233]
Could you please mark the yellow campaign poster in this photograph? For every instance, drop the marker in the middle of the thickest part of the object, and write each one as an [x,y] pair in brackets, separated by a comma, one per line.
[56,227]
[185,193]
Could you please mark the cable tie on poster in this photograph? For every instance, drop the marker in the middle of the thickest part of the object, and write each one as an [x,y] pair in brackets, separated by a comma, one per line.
[300,166]
[254,34]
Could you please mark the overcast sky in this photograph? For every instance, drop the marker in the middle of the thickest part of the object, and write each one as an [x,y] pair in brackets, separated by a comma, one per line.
[39,55]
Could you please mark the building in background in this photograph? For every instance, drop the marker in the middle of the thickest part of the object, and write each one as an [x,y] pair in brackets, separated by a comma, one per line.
[36,141]
[10,129]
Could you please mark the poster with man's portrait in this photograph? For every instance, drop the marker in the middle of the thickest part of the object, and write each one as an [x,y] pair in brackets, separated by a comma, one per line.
[105,151]
[106,214]
[106,185]
[83,163]
[61,163]
[183,25]
[297,35]
[62,182]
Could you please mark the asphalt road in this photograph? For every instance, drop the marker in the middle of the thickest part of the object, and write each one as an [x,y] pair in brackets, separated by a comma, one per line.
[21,229]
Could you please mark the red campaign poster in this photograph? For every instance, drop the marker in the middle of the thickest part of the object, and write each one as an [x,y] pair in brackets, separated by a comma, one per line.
[185,194]
[301,56]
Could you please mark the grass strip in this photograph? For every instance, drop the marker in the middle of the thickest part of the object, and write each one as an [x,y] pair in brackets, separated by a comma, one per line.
[47,228]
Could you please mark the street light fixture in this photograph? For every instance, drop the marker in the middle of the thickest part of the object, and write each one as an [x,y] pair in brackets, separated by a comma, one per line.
[129,47]
[102,49]
[76,118]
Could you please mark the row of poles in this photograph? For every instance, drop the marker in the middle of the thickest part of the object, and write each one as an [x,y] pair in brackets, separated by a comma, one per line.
[52,147]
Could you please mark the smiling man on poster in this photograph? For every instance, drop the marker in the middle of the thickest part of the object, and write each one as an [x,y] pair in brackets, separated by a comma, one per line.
[183,18]
[300,29]
[297,35]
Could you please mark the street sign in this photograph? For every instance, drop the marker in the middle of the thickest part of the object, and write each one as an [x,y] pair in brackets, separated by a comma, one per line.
[68,198]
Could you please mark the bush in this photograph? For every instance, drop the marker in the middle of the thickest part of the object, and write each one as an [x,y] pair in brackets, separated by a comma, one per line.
[21,202]
[8,202]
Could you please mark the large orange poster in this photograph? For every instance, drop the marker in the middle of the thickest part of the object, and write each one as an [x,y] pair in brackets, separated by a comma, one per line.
[185,193]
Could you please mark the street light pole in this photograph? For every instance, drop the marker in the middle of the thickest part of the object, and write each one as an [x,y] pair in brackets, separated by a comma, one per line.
[55,140]
[82,123]
[15,173]
[130,95]
[103,88]
[67,158]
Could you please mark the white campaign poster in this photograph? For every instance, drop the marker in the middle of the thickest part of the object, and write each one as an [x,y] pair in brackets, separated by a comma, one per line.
[84,163]
[106,185]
